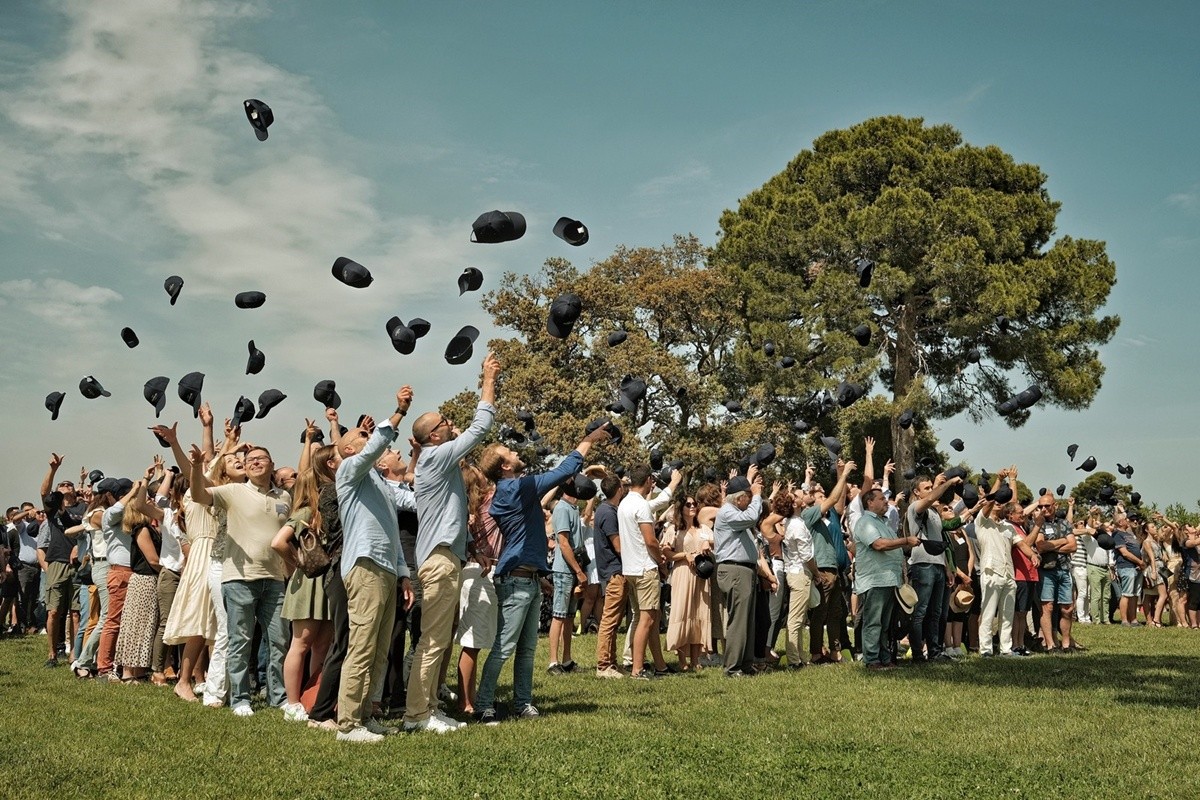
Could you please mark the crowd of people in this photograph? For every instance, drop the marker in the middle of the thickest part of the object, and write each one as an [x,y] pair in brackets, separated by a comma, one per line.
[339,588]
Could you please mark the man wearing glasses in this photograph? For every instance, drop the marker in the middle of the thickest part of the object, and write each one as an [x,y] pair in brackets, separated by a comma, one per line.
[1056,544]
[253,576]
[441,544]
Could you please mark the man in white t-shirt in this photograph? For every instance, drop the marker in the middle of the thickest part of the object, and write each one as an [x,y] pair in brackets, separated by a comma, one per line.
[643,563]
[253,575]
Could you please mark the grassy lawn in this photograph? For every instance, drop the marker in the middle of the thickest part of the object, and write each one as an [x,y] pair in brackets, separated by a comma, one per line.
[1118,721]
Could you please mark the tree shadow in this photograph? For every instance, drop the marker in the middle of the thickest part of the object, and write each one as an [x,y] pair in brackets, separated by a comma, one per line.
[1143,680]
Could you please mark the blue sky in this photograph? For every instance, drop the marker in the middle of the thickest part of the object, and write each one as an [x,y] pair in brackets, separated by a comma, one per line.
[126,157]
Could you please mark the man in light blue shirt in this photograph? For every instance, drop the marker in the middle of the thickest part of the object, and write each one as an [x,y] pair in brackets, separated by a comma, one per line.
[878,570]
[737,567]
[372,562]
[441,545]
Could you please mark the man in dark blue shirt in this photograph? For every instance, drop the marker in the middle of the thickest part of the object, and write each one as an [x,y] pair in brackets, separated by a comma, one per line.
[516,508]
[608,567]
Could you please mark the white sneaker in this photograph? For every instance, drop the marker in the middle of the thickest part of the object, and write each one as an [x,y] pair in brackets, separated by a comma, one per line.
[359,735]
[449,720]
[199,688]
[243,709]
[294,712]
[378,728]
[432,724]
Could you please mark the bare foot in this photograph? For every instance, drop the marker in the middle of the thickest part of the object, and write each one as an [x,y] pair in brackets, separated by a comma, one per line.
[158,679]
[184,692]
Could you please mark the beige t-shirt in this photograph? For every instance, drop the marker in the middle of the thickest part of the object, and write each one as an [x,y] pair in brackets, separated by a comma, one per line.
[253,519]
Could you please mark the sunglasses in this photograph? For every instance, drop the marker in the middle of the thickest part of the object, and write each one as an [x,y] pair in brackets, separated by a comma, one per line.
[689,504]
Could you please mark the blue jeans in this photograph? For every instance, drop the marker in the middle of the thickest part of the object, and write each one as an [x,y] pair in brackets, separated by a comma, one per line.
[246,601]
[520,611]
[925,627]
[564,595]
[84,609]
[87,656]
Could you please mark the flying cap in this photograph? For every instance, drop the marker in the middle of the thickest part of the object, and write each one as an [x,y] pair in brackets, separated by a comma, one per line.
[189,388]
[54,403]
[419,326]
[732,406]
[1002,323]
[1007,407]
[764,455]
[460,348]
[470,280]
[564,312]
[656,459]
[268,400]
[906,419]
[492,227]
[632,391]
[1061,490]
[864,268]
[614,433]
[173,285]
[95,476]
[848,393]
[1088,464]
[862,335]
[787,362]
[768,349]
[525,417]
[973,355]
[617,337]
[155,392]
[1135,498]
[260,116]
[352,273]
[129,337]
[404,338]
[832,444]
[799,426]
[1072,449]
[325,393]
[957,444]
[571,231]
[249,299]
[970,495]
[90,388]
[244,412]
[1027,398]
[579,486]
[256,361]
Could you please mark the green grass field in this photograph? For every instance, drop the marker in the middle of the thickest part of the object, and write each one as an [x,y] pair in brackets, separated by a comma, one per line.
[1118,721]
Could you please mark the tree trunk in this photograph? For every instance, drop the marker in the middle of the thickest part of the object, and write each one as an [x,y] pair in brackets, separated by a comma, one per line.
[904,369]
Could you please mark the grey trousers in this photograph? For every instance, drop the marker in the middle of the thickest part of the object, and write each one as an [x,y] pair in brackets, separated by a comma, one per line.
[737,582]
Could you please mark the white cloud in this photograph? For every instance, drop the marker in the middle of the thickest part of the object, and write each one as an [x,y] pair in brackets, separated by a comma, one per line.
[686,179]
[1188,201]
[59,302]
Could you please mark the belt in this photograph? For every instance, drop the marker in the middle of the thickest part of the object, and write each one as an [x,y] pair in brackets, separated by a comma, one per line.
[97,560]
[746,564]
[524,572]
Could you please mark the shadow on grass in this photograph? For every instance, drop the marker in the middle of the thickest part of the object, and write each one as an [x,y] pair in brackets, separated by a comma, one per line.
[1142,680]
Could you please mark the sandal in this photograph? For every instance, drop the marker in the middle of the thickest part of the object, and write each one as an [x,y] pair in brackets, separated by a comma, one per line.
[84,672]
[132,679]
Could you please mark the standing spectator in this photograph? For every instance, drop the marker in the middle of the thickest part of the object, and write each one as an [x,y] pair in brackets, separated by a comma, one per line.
[643,563]
[927,568]
[56,554]
[252,577]
[738,567]
[1130,561]
[608,565]
[801,571]
[995,536]
[477,602]
[1055,544]
[689,629]
[879,570]
[442,545]
[1025,569]
[139,616]
[516,508]
[26,523]
[566,571]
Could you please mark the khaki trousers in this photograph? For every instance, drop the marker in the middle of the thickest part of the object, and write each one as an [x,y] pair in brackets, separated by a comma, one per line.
[441,580]
[371,607]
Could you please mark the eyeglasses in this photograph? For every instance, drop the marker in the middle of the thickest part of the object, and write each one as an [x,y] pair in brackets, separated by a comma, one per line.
[1044,508]
[689,504]
[258,460]
[445,422]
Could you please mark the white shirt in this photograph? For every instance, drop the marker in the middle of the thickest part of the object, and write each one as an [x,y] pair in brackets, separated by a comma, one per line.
[170,555]
[634,510]
[995,543]
[797,546]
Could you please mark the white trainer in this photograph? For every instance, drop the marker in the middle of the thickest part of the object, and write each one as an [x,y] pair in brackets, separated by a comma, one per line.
[360,735]
[432,724]
[243,709]
[294,712]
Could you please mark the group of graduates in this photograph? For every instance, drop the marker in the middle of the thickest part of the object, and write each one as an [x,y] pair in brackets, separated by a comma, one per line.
[342,585]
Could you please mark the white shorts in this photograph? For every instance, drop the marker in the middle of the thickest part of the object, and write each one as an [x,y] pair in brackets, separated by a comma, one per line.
[477,609]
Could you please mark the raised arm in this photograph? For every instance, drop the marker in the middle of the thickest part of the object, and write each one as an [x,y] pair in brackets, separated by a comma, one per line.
[940,485]
[832,498]
[206,433]
[483,415]
[48,481]
[868,476]
[199,484]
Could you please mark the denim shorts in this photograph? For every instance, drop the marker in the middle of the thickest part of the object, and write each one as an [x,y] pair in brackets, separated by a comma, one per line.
[1056,587]
[1130,580]
[564,595]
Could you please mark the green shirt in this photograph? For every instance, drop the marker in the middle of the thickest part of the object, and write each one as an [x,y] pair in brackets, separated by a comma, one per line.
[874,569]
[823,552]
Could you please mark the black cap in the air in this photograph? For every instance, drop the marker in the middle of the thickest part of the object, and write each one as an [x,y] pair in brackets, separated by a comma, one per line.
[632,391]
[325,393]
[129,337]
[1088,464]
[155,392]
[906,419]
[957,444]
[249,299]
[256,361]
[243,412]
[564,312]
[492,227]
[419,326]
[470,280]
[189,389]
[90,388]
[973,355]
[768,349]
[832,444]
[268,400]
[404,338]
[1072,449]
[787,362]
[571,231]
[54,403]
[1030,396]
[764,455]
[862,335]
[173,285]
[617,337]
[849,393]
[864,268]
[1061,490]
[260,116]
[614,433]
[352,273]
[461,347]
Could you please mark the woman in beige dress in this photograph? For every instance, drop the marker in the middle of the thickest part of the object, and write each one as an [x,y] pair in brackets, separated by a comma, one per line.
[689,631]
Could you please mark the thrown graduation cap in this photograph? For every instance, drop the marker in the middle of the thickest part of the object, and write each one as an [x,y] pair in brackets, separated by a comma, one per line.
[95,476]
[579,486]
[525,417]
[632,391]
[799,426]
[404,338]
[243,412]
[155,392]
[832,444]
[419,326]
[173,285]
[564,312]
[268,400]
[615,407]
[189,388]
[461,347]
[1061,490]
[787,362]
[768,349]
[249,299]
[616,337]
[260,116]
[1135,499]
[1042,492]
[571,231]
[862,335]
[970,495]
[1002,323]
[256,361]
[614,433]
[764,455]
[1088,464]
[864,268]
[955,472]
[848,393]
[90,388]
[973,355]
[957,444]
[129,337]
[1072,449]
[656,459]
[1107,491]
[1129,471]
[54,403]
[470,280]
[325,393]
[352,273]
[492,227]
[906,419]
[732,406]
[1002,495]
[1007,407]
[1027,398]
